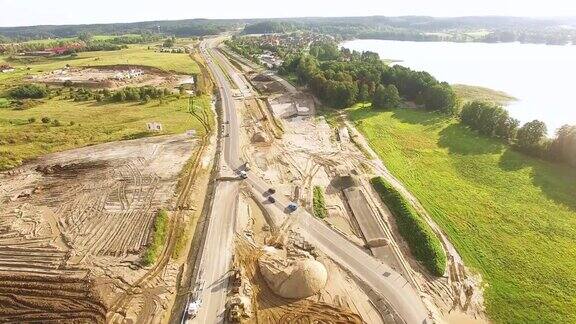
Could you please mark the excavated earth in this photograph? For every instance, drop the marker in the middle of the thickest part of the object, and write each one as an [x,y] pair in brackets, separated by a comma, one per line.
[73,225]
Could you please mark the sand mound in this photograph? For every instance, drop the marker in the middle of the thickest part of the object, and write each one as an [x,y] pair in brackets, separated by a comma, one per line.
[299,278]
[259,137]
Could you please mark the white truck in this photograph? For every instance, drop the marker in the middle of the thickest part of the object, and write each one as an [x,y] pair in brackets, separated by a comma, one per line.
[193,307]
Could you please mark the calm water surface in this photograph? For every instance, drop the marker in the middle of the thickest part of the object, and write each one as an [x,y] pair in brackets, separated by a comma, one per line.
[542,77]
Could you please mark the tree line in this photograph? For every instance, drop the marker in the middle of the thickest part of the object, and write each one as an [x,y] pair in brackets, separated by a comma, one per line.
[341,78]
[531,138]
[143,94]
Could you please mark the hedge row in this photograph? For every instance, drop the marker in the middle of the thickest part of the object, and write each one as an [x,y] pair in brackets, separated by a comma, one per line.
[154,250]
[318,202]
[423,242]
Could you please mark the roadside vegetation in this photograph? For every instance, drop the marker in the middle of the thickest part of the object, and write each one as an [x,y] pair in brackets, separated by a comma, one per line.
[423,242]
[511,217]
[319,203]
[155,248]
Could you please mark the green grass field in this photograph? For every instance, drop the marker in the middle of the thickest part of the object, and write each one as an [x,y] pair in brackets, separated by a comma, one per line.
[93,123]
[469,93]
[513,218]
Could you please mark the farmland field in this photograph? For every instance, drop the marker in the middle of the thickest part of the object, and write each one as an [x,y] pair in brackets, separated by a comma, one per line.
[511,217]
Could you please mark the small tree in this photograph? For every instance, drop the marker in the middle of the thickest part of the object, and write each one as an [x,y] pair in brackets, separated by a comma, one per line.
[169,42]
[391,96]
[363,94]
[85,37]
[379,98]
[531,136]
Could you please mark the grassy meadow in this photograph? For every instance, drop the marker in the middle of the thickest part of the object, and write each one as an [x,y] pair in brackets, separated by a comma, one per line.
[512,218]
[469,93]
[92,123]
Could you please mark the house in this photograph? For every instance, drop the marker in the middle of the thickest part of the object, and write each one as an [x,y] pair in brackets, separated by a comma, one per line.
[154,127]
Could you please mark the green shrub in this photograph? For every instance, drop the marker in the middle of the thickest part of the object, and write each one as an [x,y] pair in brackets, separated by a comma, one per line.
[4,103]
[29,91]
[318,202]
[45,120]
[56,123]
[31,120]
[423,242]
[159,238]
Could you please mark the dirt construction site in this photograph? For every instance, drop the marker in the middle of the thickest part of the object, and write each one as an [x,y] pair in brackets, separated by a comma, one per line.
[73,227]
[112,77]
[291,148]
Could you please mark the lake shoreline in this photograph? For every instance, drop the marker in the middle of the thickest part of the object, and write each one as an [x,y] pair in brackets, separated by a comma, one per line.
[511,68]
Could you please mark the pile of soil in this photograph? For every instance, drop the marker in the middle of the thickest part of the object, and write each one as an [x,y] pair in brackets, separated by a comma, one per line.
[293,278]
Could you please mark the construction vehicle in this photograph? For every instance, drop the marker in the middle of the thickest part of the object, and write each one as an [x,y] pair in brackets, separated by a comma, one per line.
[193,308]
[235,313]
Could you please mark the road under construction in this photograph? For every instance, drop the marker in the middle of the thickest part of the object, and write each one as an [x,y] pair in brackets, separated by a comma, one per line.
[216,257]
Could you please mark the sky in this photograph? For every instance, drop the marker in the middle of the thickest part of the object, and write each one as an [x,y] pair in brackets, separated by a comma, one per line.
[57,12]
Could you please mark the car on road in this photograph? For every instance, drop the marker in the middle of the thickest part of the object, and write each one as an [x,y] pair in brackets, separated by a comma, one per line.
[271,191]
[292,207]
[271,199]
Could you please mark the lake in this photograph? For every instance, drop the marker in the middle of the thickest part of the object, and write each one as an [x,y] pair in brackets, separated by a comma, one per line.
[541,77]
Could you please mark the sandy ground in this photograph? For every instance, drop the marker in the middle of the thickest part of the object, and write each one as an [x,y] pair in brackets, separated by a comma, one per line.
[342,300]
[81,218]
[112,77]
